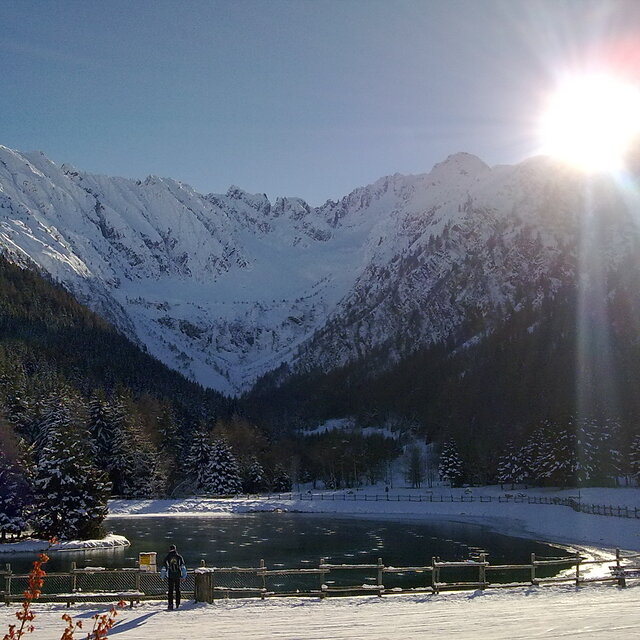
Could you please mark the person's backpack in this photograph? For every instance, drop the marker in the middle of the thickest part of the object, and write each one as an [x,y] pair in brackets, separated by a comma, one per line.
[174,567]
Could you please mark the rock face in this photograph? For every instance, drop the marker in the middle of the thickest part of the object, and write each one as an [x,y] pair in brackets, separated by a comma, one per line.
[227,287]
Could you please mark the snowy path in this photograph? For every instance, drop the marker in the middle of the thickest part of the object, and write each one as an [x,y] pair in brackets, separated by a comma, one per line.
[544,612]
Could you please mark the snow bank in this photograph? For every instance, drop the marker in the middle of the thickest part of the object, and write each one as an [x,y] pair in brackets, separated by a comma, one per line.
[547,523]
[34,546]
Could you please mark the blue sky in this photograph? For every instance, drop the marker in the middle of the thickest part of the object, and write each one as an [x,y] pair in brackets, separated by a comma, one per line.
[299,98]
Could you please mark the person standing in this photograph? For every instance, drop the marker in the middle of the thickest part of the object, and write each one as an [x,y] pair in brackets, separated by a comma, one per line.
[174,569]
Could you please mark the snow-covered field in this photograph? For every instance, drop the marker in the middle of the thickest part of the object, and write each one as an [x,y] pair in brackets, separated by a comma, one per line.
[548,523]
[542,612]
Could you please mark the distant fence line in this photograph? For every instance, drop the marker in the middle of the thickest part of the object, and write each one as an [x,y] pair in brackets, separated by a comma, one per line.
[574,503]
[206,584]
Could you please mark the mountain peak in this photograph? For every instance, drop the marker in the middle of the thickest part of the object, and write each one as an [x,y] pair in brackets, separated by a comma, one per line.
[461,163]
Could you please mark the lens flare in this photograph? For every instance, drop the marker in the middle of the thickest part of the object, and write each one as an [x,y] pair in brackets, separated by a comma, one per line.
[591,121]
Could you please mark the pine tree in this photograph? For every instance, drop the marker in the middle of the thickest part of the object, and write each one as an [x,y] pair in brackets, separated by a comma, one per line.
[634,458]
[171,449]
[70,493]
[145,477]
[58,412]
[450,467]
[560,460]
[14,499]
[199,460]
[18,409]
[510,466]
[119,450]
[535,453]
[605,446]
[100,427]
[281,480]
[225,475]
[254,480]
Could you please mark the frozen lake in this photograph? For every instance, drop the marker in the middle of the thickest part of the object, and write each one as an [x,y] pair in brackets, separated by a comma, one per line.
[300,540]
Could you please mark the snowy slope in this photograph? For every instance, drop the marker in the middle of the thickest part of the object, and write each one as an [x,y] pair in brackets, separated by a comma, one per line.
[226,287]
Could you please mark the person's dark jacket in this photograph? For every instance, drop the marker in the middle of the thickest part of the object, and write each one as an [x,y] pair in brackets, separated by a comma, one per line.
[173,564]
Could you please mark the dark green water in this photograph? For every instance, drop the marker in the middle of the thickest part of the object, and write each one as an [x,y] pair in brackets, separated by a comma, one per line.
[300,540]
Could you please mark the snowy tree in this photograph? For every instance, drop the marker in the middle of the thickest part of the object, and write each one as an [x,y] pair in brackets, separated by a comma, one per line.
[146,478]
[121,450]
[70,493]
[604,452]
[559,464]
[511,469]
[535,453]
[199,460]
[254,480]
[224,477]
[18,410]
[59,412]
[450,467]
[14,499]
[116,450]
[281,480]
[168,431]
[99,425]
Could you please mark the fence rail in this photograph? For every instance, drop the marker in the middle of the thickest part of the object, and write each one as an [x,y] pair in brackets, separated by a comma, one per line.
[619,511]
[205,584]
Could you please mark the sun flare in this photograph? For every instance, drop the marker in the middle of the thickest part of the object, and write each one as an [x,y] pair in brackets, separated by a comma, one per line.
[591,121]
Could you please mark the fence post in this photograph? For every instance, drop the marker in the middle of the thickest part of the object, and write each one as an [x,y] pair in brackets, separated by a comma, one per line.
[380,586]
[482,572]
[434,575]
[264,579]
[7,582]
[533,568]
[578,561]
[322,574]
[74,578]
[138,579]
[204,586]
[622,582]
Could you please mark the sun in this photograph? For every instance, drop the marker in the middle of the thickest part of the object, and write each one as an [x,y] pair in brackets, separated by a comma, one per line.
[591,121]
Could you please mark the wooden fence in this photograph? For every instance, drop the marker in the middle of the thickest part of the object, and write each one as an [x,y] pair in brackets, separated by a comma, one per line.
[575,503]
[205,584]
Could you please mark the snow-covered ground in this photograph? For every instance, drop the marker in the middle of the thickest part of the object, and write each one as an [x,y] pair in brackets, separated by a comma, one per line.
[548,523]
[602,611]
[36,546]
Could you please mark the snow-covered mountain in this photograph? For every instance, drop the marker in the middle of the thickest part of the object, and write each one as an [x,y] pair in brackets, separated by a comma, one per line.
[227,287]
